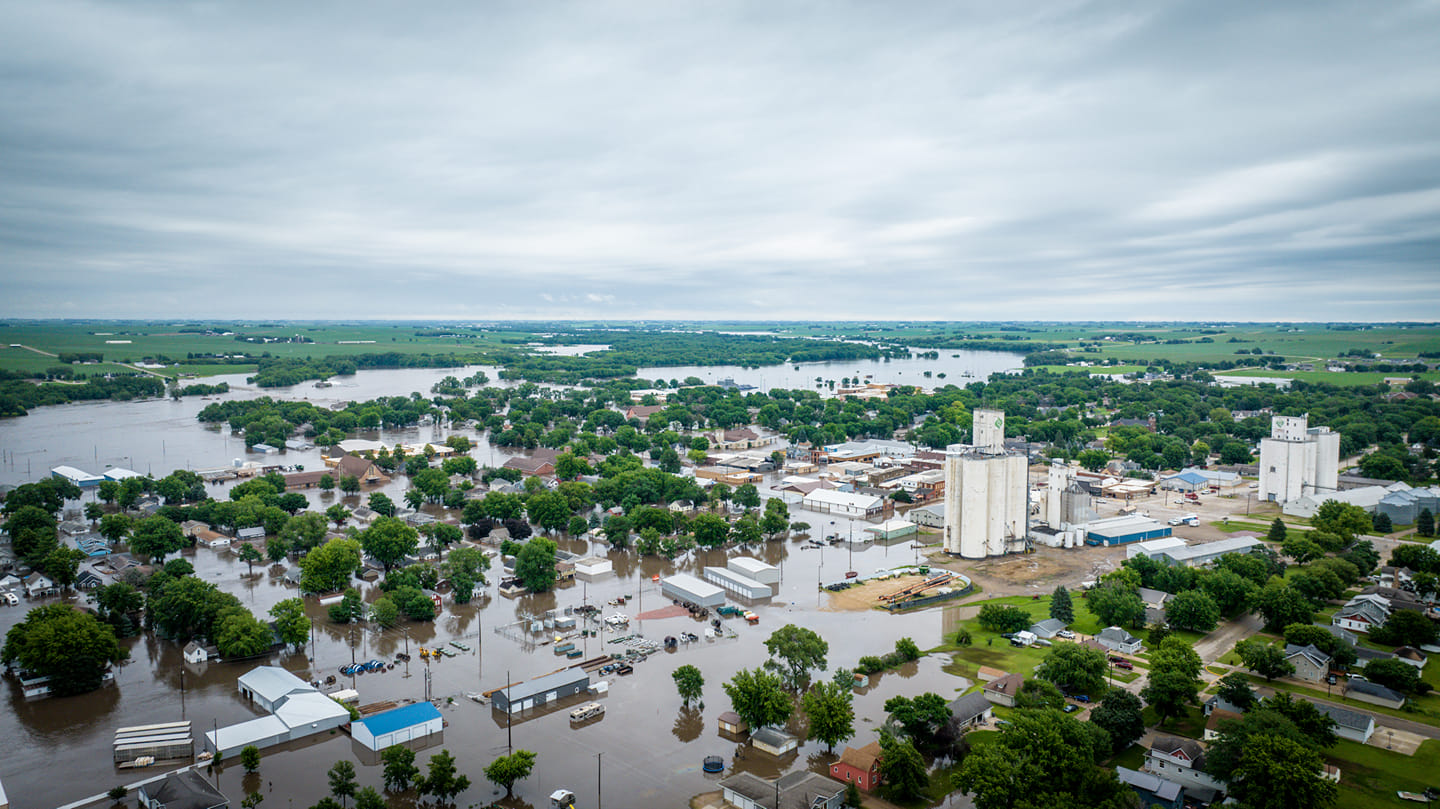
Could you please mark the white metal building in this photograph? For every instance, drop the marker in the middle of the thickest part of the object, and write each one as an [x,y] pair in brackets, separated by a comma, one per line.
[755,569]
[832,501]
[79,477]
[690,589]
[384,730]
[1297,460]
[268,686]
[739,584]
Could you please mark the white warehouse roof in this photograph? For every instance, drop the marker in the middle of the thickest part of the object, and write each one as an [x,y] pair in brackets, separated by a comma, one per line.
[838,498]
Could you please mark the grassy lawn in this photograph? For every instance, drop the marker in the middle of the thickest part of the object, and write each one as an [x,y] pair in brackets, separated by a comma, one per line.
[989,649]
[1190,725]
[1131,757]
[1370,776]
[1242,525]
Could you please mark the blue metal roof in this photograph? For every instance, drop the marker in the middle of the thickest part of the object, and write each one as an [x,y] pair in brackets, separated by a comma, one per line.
[1193,478]
[408,716]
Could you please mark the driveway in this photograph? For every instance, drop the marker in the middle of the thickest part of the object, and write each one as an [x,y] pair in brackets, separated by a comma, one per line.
[1217,643]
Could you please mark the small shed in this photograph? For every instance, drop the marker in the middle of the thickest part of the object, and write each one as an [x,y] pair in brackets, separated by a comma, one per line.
[195,652]
[730,722]
[254,532]
[773,741]
[384,730]
[687,588]
[590,568]
[893,529]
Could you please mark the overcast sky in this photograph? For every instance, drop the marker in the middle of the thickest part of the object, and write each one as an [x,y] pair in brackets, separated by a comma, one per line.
[738,160]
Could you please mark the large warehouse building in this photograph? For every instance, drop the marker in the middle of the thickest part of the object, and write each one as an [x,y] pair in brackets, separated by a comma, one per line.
[397,726]
[986,493]
[689,589]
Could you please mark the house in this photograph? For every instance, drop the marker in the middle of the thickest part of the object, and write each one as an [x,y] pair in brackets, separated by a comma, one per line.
[1152,789]
[88,579]
[796,790]
[1408,654]
[362,468]
[38,585]
[774,741]
[643,412]
[1048,628]
[186,789]
[1118,640]
[742,438]
[195,652]
[860,765]
[1003,690]
[1362,613]
[1352,725]
[269,686]
[1182,760]
[251,534]
[1374,693]
[540,463]
[971,709]
[1311,664]
[730,722]
[1217,716]
[397,726]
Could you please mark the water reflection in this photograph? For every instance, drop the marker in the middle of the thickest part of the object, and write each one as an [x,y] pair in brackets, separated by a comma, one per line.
[689,724]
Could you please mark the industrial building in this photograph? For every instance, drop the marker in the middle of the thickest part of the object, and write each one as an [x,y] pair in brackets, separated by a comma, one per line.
[832,501]
[738,584]
[892,529]
[1123,530]
[79,477]
[543,690]
[1154,548]
[755,569]
[986,492]
[689,589]
[1298,460]
[1209,552]
[268,686]
[397,726]
[297,710]
[1064,502]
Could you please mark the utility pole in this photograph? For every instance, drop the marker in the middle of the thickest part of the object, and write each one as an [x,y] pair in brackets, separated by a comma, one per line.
[599,790]
[509,712]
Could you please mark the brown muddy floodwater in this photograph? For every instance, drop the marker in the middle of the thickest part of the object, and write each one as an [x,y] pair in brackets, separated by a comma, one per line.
[59,749]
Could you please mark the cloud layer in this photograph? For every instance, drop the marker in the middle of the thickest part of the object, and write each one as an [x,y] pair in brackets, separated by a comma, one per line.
[723,160]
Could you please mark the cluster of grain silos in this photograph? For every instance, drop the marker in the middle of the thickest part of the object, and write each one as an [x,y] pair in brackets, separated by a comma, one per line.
[986,492]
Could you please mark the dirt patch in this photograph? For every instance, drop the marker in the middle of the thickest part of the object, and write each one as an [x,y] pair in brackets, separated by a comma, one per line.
[1040,571]
[866,596]
[672,611]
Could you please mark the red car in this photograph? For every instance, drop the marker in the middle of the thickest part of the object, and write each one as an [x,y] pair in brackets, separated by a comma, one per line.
[1124,664]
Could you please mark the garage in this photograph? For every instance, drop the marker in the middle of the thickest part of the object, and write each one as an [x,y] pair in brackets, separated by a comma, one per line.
[398,726]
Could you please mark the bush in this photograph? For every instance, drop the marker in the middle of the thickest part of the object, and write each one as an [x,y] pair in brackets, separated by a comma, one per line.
[870,664]
[117,793]
[1002,618]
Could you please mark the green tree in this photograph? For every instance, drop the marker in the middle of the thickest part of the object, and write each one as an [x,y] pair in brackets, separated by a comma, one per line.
[710,530]
[920,717]
[902,768]
[1193,610]
[388,541]
[254,799]
[1117,606]
[1003,618]
[249,554]
[306,530]
[1263,659]
[906,650]
[1235,689]
[1405,628]
[1037,694]
[1381,524]
[1342,519]
[115,527]
[1277,532]
[342,781]
[829,708]
[329,567]
[1074,668]
[400,770]
[1061,607]
[1174,678]
[63,565]
[327,482]
[368,798]
[1301,549]
[1044,758]
[70,647]
[776,519]
[689,682]
[506,770]
[337,514]
[381,504]
[443,780]
[239,634]
[1281,606]
[798,650]
[291,621]
[747,495]
[156,537]
[1396,674]
[759,697]
[549,510]
[250,758]
[1278,773]
[1120,713]
[1425,523]
[1229,590]
[535,565]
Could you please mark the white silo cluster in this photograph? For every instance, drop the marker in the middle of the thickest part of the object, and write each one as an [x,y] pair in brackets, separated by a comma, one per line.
[986,492]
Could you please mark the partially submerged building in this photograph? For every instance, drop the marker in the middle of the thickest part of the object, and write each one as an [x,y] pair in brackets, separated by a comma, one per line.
[397,726]
[541,691]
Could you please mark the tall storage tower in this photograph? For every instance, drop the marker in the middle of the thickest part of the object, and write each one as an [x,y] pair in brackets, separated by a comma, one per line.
[986,492]
[1297,459]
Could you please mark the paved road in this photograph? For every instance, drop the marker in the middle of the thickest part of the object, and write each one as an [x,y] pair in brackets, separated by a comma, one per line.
[1217,643]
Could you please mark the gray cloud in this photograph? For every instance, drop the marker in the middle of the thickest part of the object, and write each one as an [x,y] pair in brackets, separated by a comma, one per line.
[744,160]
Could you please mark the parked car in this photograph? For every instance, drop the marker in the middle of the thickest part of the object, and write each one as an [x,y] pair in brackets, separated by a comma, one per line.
[1081,698]
[1176,521]
[1124,664]
[1065,633]
[1071,708]
[1331,679]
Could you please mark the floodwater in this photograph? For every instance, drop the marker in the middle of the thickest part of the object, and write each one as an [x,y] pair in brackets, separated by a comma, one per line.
[646,748]
[955,365]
